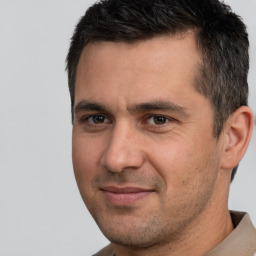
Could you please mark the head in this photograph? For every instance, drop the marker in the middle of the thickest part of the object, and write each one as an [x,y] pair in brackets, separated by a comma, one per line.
[154,85]
[221,37]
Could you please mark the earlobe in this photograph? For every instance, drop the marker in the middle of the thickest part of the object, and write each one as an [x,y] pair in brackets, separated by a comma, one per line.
[238,132]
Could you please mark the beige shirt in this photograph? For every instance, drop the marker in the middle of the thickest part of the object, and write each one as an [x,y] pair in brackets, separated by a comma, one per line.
[241,242]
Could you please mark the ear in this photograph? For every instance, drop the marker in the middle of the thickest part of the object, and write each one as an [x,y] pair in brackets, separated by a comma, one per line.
[237,135]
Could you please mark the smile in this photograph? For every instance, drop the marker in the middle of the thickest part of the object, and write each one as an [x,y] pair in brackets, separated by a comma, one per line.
[126,195]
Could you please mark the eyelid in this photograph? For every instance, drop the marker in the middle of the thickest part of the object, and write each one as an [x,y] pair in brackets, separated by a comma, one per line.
[106,120]
[85,118]
[168,118]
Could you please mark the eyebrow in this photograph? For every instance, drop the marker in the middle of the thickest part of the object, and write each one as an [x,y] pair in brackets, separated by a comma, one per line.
[137,108]
[88,105]
[157,105]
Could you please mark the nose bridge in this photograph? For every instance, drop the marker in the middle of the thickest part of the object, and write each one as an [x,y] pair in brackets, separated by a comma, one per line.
[123,149]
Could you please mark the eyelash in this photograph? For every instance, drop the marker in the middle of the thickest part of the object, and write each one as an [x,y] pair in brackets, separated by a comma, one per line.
[153,126]
[166,119]
[85,119]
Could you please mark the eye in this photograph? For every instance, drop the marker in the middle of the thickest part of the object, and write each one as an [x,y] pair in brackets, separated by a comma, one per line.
[157,120]
[97,119]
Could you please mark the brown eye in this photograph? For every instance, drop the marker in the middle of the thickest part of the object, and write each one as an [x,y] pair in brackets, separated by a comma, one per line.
[157,120]
[98,119]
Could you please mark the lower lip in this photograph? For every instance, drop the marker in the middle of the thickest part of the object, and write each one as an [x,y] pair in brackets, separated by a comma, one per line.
[125,198]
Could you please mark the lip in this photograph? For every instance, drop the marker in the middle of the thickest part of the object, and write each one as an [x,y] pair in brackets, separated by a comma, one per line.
[125,195]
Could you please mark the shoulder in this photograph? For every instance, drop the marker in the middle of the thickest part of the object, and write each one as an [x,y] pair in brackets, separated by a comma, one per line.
[242,241]
[106,251]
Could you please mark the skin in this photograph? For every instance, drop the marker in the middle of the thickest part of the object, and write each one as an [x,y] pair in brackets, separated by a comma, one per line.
[140,123]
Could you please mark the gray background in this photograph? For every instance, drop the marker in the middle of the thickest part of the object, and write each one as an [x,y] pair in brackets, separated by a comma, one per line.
[41,212]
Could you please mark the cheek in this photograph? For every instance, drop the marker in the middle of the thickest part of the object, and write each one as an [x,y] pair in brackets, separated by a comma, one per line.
[182,161]
[189,175]
[170,158]
[86,158]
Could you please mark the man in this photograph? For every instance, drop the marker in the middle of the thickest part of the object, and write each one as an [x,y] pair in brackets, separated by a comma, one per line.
[160,123]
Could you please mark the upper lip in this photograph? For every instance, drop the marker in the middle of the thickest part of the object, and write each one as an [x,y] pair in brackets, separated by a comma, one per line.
[120,190]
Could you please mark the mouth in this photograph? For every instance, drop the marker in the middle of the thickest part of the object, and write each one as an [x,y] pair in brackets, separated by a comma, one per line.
[125,195]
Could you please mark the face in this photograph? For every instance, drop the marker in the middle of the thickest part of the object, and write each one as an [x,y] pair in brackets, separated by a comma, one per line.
[144,154]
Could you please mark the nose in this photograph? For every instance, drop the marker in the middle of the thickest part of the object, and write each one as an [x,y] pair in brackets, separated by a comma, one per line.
[124,150]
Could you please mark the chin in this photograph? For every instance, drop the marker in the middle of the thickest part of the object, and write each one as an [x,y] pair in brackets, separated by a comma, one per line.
[134,234]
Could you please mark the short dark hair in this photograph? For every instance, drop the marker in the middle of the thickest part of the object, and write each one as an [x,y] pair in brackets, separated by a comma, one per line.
[221,37]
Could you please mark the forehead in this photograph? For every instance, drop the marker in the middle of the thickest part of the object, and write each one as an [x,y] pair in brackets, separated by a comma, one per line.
[149,67]
[180,46]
